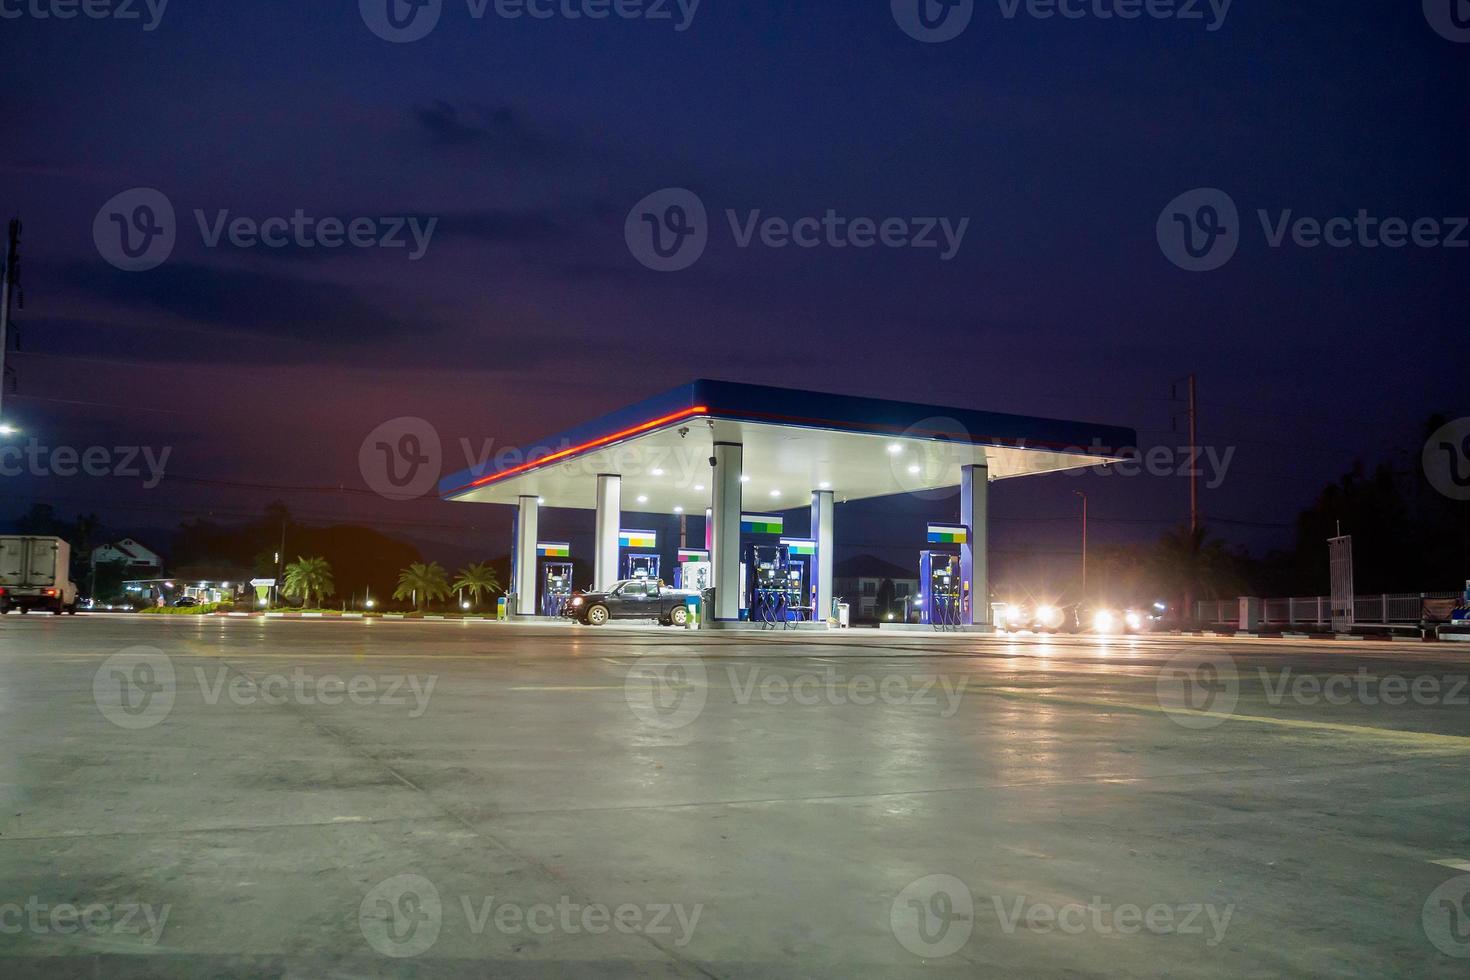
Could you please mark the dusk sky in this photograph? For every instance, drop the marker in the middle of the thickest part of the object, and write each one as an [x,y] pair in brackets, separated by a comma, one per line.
[528,141]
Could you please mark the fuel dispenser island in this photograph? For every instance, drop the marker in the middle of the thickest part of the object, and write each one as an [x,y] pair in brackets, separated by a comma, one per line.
[941,597]
[775,586]
[695,573]
[556,588]
[640,563]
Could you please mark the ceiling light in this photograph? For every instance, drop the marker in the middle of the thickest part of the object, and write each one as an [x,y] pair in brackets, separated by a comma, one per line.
[643,500]
[915,468]
[658,472]
[540,500]
[744,478]
[678,510]
[824,485]
[699,486]
[895,448]
[775,493]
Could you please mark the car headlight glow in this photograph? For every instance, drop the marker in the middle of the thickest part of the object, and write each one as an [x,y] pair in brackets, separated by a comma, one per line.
[577,601]
[1048,615]
[1134,620]
[1104,621]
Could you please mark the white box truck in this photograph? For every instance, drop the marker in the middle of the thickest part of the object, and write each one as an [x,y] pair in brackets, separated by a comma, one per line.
[35,573]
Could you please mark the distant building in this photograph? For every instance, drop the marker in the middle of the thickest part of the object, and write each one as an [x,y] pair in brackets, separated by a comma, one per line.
[138,558]
[858,581]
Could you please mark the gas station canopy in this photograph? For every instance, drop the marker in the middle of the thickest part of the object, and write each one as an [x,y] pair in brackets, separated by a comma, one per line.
[794,442]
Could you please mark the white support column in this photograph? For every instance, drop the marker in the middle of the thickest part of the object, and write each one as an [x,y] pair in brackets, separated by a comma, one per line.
[725,542]
[609,523]
[822,535]
[975,552]
[527,529]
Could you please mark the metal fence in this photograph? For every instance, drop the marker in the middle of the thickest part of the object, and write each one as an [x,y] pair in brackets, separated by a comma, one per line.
[1383,610]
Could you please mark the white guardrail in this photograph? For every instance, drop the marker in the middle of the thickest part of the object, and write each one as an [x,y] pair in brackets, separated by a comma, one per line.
[1369,610]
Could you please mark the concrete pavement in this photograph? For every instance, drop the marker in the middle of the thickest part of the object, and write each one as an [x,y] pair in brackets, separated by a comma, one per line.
[301,798]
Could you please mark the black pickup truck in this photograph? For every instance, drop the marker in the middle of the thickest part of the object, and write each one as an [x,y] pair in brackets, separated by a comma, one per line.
[631,599]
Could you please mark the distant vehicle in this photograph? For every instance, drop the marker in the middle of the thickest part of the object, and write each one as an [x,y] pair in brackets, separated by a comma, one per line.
[184,601]
[637,598]
[1113,621]
[1039,617]
[35,574]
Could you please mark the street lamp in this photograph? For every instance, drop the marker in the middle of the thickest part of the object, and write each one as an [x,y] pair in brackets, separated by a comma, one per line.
[1083,495]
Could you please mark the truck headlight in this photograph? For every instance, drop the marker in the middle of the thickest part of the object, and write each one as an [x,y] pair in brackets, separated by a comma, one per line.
[1048,615]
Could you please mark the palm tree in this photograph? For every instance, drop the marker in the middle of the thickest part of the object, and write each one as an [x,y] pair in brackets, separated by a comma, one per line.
[477,580]
[307,577]
[422,583]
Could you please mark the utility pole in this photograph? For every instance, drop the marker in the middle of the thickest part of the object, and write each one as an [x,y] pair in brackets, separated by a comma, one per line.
[1083,495]
[9,282]
[1192,412]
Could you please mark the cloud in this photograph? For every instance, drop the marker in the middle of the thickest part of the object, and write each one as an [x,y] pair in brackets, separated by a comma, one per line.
[247,302]
[494,129]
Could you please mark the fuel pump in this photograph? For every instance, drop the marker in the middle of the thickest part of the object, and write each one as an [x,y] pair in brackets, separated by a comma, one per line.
[695,576]
[556,588]
[768,585]
[640,566]
[942,601]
